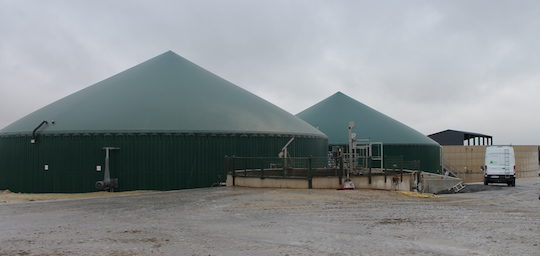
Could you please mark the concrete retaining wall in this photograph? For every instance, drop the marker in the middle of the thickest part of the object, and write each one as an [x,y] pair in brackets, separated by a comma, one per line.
[267,182]
[435,183]
[393,182]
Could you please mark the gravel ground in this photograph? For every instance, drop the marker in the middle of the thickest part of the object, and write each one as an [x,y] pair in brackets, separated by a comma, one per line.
[241,221]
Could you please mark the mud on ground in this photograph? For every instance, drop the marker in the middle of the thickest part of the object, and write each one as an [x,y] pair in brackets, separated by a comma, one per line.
[7,196]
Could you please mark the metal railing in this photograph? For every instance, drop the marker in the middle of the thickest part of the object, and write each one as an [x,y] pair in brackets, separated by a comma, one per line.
[306,168]
[281,168]
[452,170]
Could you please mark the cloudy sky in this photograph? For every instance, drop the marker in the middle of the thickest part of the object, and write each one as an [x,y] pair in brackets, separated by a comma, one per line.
[433,65]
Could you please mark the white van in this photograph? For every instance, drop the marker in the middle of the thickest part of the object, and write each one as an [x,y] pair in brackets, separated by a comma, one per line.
[500,165]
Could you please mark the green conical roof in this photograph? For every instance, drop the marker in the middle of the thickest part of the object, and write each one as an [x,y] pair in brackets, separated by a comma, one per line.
[333,114]
[164,94]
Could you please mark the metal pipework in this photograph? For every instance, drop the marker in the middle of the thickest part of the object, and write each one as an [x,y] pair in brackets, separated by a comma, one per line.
[34,138]
[107,183]
[285,154]
[352,136]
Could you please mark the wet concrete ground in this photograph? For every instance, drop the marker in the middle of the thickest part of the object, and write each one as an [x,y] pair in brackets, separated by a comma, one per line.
[227,221]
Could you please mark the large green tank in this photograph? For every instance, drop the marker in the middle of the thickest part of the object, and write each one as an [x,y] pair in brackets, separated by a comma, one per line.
[173,123]
[333,114]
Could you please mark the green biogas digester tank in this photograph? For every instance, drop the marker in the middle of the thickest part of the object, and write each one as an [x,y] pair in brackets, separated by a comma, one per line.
[172,121]
[332,115]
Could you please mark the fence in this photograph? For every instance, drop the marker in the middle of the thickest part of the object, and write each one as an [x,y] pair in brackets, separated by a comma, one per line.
[305,168]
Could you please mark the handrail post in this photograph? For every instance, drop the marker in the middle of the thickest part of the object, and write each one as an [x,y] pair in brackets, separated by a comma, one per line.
[369,170]
[262,168]
[310,174]
[341,170]
[284,172]
[233,171]
[226,165]
[245,166]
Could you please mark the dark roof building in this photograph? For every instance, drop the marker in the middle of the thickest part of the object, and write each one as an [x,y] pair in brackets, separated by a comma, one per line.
[453,137]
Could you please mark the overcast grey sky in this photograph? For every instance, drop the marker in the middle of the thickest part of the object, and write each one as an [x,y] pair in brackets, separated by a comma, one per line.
[433,65]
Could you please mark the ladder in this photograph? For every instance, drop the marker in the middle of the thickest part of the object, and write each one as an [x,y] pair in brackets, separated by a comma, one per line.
[458,187]
[506,158]
[330,162]
[450,169]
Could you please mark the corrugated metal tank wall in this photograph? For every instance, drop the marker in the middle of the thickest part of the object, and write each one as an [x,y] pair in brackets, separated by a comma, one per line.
[428,155]
[144,161]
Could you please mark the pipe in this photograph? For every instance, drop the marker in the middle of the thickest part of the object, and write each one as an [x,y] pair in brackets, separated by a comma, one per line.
[36,129]
[107,183]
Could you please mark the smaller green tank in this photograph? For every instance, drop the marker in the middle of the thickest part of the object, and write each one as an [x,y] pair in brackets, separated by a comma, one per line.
[332,115]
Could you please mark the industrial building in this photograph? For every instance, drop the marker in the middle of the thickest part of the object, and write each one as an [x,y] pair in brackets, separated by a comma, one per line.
[164,124]
[453,137]
[400,143]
